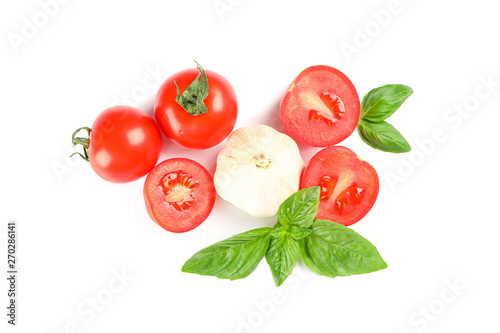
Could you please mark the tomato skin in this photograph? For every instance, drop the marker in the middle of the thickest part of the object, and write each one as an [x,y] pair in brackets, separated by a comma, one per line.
[346,172]
[305,95]
[201,131]
[164,213]
[124,144]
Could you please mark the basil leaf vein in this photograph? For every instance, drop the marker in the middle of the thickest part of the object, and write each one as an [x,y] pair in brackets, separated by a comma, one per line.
[300,208]
[298,233]
[335,250]
[282,257]
[233,258]
[380,103]
[382,136]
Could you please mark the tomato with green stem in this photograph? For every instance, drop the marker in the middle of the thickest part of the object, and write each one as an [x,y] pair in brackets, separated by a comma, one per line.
[123,144]
[196,108]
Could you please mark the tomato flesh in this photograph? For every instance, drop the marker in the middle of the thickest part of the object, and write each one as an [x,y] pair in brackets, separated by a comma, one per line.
[321,107]
[334,105]
[349,186]
[327,185]
[179,194]
[179,189]
[350,197]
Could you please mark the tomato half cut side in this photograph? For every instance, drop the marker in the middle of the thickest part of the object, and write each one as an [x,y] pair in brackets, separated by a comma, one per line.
[321,107]
[179,194]
[349,185]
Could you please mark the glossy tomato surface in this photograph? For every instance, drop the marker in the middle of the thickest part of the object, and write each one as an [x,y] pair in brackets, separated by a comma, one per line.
[200,131]
[124,144]
[179,194]
[321,107]
[349,185]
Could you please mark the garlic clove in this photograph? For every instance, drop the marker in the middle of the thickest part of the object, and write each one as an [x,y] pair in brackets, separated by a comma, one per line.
[258,169]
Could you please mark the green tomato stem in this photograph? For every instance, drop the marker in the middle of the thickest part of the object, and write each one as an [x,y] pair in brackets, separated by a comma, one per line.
[84,142]
[191,99]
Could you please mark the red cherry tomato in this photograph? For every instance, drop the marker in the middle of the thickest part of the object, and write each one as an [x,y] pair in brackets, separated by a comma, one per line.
[179,194]
[196,131]
[349,185]
[321,107]
[124,144]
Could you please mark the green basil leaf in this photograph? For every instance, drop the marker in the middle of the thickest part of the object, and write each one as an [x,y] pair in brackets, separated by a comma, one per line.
[191,100]
[233,258]
[298,233]
[334,250]
[300,208]
[279,232]
[380,103]
[282,257]
[382,136]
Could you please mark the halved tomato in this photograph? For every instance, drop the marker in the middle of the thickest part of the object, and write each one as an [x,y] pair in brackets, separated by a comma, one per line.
[179,194]
[349,185]
[321,107]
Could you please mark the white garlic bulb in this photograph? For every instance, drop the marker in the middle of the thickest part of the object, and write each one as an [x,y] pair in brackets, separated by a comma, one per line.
[258,169]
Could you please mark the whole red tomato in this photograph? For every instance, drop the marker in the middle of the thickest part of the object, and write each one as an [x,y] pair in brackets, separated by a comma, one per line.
[124,144]
[193,115]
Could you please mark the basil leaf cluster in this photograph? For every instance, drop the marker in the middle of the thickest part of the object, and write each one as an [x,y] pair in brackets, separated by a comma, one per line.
[378,105]
[327,248]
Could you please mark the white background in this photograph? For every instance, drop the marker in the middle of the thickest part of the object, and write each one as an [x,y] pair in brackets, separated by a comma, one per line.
[436,227]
